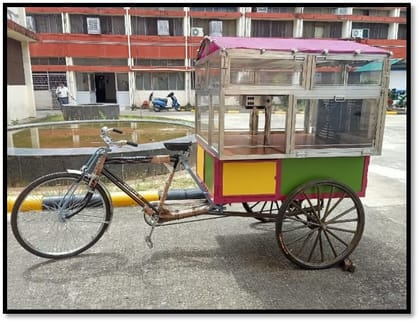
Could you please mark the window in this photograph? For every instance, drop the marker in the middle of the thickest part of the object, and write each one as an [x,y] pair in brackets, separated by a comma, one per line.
[215,9]
[82,81]
[275,9]
[158,62]
[160,81]
[371,12]
[108,24]
[319,10]
[269,28]
[47,23]
[15,71]
[48,60]
[47,80]
[376,31]
[160,8]
[402,31]
[321,30]
[228,26]
[84,61]
[122,82]
[150,26]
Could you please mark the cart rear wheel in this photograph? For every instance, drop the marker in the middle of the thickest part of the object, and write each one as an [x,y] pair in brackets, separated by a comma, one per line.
[320,224]
[267,209]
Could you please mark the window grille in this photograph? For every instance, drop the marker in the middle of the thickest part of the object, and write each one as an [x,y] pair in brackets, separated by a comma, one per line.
[47,80]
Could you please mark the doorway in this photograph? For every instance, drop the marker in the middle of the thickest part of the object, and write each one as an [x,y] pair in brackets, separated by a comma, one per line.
[105,88]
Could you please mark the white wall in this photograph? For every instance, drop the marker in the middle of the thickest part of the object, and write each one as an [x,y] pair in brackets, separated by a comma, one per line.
[398,80]
[22,105]
[43,99]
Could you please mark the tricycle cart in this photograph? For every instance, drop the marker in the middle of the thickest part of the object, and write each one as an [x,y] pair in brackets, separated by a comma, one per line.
[315,117]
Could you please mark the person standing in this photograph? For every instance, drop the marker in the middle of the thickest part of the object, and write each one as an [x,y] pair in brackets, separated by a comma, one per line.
[63,94]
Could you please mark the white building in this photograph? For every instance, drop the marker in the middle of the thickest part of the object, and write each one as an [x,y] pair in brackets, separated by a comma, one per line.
[20,94]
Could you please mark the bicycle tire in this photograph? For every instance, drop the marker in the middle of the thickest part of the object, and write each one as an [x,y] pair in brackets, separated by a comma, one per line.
[38,223]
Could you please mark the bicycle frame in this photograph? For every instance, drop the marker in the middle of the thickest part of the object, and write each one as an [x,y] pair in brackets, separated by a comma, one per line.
[96,166]
[150,209]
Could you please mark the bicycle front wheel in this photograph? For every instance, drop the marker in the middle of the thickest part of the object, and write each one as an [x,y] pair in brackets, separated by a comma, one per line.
[52,218]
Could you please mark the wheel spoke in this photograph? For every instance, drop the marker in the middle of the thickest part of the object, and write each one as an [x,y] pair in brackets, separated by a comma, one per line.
[338,238]
[296,228]
[297,219]
[341,215]
[313,246]
[335,205]
[321,249]
[301,237]
[308,237]
[330,243]
[310,203]
[328,203]
[262,209]
[341,229]
[343,221]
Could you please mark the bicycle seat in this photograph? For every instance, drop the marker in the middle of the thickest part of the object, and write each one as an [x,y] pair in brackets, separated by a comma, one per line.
[176,146]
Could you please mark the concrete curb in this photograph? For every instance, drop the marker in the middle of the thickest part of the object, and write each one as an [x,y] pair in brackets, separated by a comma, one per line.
[119,199]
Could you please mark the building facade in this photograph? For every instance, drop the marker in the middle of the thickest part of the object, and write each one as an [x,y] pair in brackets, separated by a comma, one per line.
[20,94]
[122,54]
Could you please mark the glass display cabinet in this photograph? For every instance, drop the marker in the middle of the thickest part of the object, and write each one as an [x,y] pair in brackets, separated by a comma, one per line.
[274,113]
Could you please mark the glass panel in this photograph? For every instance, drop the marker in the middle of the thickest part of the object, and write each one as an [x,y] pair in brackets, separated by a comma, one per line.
[82,81]
[160,81]
[338,72]
[331,124]
[266,71]
[203,102]
[122,81]
[330,72]
[365,72]
[215,123]
[214,74]
[262,133]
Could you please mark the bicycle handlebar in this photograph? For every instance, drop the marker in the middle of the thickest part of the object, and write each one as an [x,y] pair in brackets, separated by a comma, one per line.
[116,130]
[108,140]
[132,143]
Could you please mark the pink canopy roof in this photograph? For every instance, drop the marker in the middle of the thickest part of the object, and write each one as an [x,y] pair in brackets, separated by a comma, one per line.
[212,44]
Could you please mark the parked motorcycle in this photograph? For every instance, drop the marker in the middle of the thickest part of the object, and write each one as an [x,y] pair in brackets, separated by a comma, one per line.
[160,104]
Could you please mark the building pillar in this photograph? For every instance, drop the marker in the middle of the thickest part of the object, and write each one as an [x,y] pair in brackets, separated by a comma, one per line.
[346,29]
[393,27]
[298,24]
[65,20]
[71,80]
[26,58]
[246,32]
[241,22]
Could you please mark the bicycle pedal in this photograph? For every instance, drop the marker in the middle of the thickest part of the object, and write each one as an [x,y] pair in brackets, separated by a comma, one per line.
[149,242]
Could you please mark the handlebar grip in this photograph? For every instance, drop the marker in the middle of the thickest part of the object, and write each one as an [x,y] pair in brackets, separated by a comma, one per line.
[132,143]
[117,131]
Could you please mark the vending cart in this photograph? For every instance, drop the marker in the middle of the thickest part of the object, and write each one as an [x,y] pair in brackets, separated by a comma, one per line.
[287,127]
